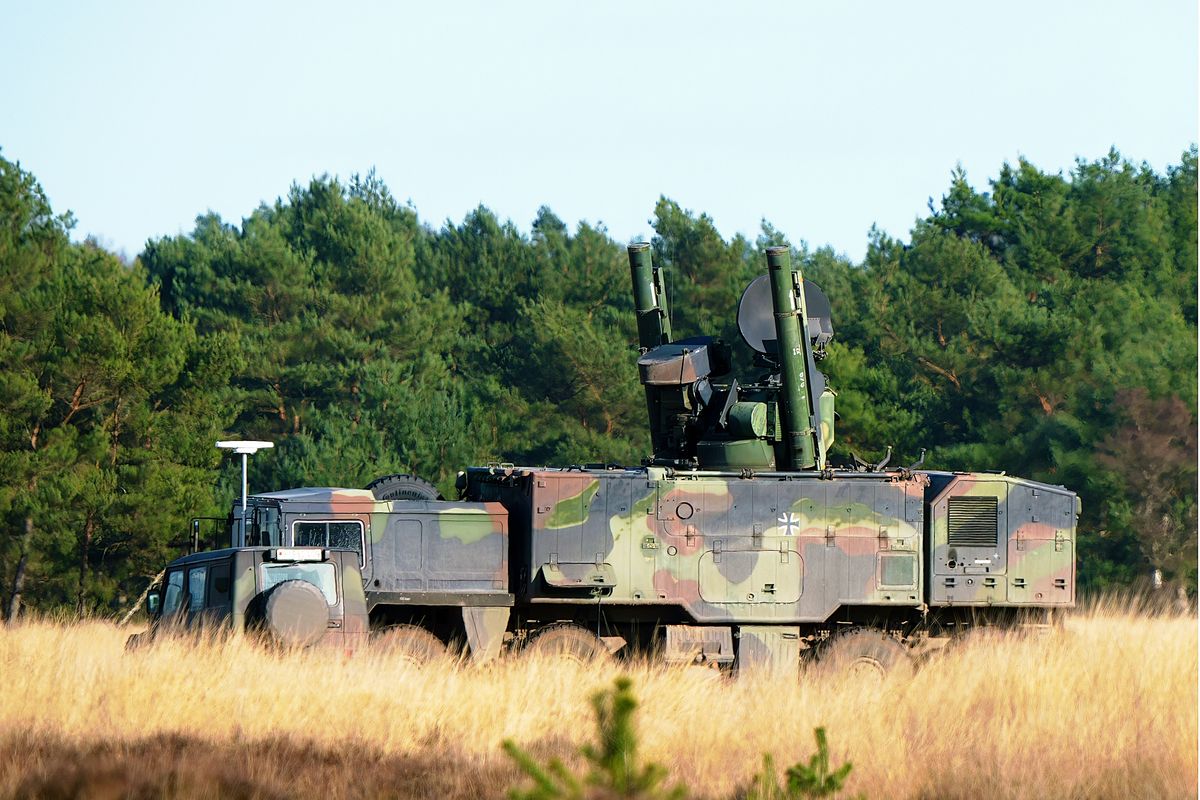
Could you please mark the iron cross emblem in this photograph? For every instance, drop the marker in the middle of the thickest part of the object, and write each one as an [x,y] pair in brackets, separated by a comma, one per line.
[790,522]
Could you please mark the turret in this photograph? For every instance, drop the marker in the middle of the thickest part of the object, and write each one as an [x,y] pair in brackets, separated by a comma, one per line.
[780,420]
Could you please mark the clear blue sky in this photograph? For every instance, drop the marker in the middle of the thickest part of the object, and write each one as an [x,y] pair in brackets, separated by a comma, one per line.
[824,118]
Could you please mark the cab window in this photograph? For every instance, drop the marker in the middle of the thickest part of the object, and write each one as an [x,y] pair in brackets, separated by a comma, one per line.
[218,584]
[172,592]
[330,533]
[197,579]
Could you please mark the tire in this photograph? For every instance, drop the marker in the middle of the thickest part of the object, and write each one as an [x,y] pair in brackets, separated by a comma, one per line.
[410,643]
[865,653]
[403,487]
[295,614]
[568,642]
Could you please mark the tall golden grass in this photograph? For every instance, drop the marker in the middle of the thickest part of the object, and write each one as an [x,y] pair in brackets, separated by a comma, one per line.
[1105,707]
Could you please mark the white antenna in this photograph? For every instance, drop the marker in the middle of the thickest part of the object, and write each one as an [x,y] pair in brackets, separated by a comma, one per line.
[245,449]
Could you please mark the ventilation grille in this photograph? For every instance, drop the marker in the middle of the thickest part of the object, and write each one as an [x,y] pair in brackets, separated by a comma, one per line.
[974,522]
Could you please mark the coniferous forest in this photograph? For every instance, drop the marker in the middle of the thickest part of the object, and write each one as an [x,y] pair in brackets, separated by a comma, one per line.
[1043,324]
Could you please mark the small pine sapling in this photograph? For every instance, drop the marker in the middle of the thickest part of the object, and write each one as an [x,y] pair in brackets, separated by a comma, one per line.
[813,779]
[613,771]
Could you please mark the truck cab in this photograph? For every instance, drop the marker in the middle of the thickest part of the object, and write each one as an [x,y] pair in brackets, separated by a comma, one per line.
[298,597]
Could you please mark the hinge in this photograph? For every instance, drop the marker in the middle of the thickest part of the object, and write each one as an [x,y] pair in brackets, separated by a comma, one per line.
[716,551]
[829,536]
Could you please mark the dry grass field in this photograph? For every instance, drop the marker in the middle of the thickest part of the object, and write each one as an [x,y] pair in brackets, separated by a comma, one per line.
[1104,708]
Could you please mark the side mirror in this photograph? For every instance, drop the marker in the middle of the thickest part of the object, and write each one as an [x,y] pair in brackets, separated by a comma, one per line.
[152,603]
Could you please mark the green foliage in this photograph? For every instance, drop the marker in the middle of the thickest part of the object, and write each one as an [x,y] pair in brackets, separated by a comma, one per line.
[814,779]
[613,767]
[1045,326]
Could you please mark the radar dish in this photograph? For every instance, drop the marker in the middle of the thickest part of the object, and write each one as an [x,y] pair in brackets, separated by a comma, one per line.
[756,315]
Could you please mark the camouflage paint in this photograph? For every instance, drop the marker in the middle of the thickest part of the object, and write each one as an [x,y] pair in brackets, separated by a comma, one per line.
[745,550]
[1033,560]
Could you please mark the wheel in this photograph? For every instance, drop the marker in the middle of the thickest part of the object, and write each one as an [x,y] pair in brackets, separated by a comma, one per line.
[295,614]
[410,643]
[865,653]
[567,641]
[403,487]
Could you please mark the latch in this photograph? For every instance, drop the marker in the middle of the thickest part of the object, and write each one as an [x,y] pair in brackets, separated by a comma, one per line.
[1018,583]
[989,583]
[768,588]
[1060,583]
[951,582]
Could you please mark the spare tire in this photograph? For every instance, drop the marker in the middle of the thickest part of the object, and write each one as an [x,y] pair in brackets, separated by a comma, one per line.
[295,613]
[403,487]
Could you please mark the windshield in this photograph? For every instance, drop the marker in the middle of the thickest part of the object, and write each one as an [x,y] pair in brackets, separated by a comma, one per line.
[319,575]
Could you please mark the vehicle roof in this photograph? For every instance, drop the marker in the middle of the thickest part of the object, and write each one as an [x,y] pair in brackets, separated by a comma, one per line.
[320,494]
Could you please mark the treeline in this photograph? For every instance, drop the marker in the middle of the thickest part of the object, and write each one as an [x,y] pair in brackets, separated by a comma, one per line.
[1046,327]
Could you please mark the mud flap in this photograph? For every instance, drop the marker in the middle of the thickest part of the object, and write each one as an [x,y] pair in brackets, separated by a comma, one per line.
[485,626]
[769,650]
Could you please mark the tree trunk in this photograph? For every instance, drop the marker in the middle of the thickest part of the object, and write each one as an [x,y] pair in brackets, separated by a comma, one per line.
[85,546]
[14,599]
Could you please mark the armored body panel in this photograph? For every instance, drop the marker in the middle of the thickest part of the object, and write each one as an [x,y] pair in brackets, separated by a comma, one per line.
[764,549]
[996,540]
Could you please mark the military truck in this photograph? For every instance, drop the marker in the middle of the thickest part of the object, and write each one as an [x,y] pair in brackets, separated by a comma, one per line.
[735,542]
[296,597]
